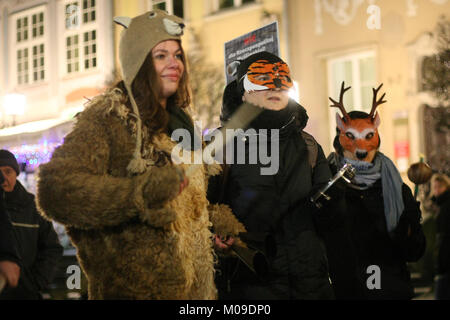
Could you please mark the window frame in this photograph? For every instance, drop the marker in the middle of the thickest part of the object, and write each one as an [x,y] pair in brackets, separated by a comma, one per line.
[80,29]
[32,41]
[333,88]
[169,6]
[236,4]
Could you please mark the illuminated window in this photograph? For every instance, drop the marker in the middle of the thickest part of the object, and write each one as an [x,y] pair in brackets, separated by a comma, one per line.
[72,13]
[88,11]
[80,36]
[30,45]
[358,70]
[38,63]
[22,29]
[90,49]
[72,54]
[22,66]
[38,25]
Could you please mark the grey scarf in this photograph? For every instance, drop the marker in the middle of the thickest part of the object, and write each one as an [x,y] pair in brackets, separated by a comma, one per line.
[391,183]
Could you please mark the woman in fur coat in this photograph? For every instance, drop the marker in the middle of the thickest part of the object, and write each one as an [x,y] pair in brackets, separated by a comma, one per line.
[141,228]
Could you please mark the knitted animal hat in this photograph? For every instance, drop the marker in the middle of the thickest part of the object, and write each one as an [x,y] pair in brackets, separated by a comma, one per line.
[140,36]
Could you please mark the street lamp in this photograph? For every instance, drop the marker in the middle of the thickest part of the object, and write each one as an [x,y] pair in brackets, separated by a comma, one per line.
[14,105]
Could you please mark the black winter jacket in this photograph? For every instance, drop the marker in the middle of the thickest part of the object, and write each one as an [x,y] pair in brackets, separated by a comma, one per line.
[372,245]
[8,248]
[37,243]
[278,205]
[443,233]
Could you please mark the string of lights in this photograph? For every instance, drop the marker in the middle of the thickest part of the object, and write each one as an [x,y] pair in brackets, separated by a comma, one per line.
[31,156]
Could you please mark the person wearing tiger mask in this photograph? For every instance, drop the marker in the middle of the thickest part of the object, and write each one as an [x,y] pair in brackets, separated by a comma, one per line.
[382,216]
[275,204]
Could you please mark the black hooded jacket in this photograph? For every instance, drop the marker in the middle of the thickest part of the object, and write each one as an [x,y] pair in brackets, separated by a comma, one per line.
[37,244]
[278,205]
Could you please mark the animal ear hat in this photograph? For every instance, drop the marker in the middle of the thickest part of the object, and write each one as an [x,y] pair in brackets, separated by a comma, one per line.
[140,36]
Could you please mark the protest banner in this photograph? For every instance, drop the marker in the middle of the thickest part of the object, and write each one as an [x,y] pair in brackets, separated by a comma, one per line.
[262,39]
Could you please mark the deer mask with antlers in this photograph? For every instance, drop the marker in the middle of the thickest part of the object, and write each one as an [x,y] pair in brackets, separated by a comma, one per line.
[358,137]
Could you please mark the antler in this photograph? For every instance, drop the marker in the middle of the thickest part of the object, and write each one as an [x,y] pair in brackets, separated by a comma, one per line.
[340,104]
[376,102]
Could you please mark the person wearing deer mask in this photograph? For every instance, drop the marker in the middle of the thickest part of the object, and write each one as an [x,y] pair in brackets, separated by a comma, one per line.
[383,217]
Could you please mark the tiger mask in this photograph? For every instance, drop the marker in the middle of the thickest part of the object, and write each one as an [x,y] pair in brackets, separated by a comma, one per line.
[263,71]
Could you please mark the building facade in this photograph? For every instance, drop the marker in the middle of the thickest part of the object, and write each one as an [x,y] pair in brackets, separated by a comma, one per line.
[58,53]
[53,56]
[362,42]
[366,43]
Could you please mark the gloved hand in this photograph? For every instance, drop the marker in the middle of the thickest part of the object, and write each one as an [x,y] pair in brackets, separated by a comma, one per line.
[332,215]
[408,223]
[334,194]
[162,184]
[157,187]
[337,191]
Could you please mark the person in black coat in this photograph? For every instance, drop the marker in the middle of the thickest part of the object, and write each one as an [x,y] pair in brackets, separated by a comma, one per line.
[9,257]
[382,216]
[275,202]
[37,243]
[441,196]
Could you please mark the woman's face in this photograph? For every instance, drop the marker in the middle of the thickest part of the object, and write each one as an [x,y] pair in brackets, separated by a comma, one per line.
[168,62]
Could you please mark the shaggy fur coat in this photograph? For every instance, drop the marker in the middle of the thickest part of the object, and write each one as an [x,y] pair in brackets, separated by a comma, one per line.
[136,236]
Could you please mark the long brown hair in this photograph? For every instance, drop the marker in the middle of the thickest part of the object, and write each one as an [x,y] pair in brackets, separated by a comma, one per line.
[146,88]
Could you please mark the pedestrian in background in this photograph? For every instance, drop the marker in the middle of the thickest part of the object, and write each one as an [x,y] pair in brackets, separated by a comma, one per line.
[9,257]
[441,196]
[37,243]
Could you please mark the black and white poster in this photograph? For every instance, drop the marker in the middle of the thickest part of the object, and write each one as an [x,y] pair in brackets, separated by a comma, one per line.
[262,39]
